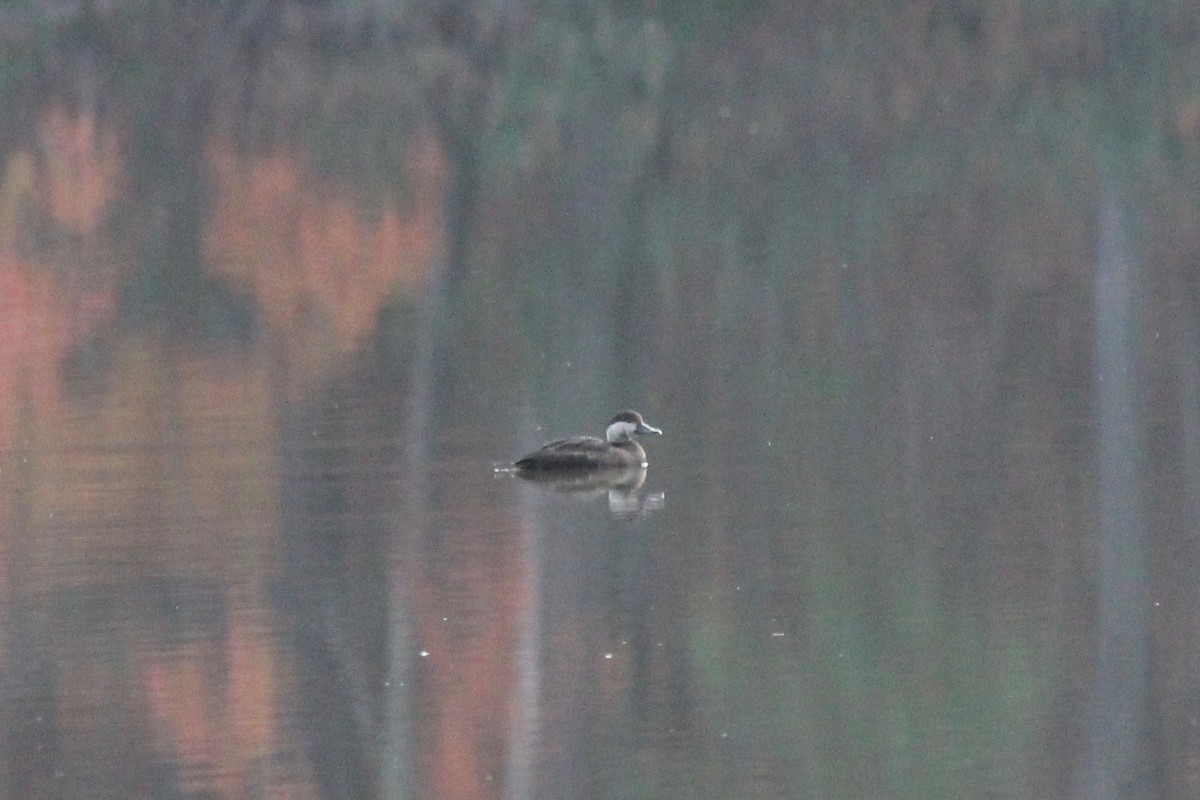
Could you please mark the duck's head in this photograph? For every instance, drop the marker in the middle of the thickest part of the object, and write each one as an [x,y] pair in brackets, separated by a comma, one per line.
[624,426]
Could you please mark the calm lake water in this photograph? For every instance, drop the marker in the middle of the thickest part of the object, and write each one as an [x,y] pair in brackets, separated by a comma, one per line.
[923,520]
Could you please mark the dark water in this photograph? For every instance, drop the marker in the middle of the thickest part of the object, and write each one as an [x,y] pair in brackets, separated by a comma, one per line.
[275,303]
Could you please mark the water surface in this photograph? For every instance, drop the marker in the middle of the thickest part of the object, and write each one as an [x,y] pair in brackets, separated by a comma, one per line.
[275,302]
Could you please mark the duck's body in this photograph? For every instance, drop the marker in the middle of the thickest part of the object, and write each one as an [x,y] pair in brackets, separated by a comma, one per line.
[617,450]
[584,452]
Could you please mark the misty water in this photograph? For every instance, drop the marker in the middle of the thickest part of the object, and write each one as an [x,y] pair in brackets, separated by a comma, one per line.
[280,300]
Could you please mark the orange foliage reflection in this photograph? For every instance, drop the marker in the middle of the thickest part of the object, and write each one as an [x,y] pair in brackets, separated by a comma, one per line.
[222,733]
[132,482]
[51,303]
[308,252]
[40,320]
[82,168]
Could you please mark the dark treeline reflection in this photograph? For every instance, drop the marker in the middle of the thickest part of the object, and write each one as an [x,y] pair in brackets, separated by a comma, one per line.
[911,288]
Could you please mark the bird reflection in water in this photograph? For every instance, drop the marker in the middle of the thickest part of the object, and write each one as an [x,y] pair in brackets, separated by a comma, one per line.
[623,487]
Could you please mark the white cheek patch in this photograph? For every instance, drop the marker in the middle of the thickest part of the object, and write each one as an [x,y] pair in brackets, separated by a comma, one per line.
[620,431]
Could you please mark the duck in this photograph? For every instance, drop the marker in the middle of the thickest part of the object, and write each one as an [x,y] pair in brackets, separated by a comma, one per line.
[617,450]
